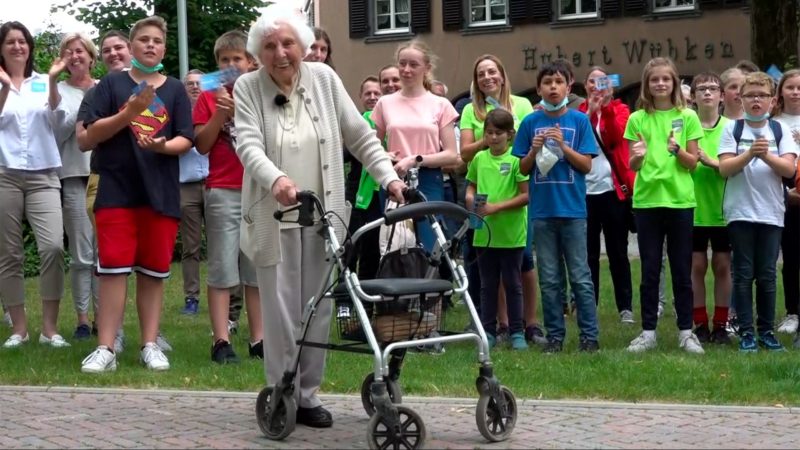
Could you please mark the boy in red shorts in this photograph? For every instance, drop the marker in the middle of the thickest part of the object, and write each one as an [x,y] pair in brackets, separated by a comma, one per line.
[142,121]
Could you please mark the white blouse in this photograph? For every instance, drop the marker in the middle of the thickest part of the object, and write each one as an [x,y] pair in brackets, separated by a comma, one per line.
[27,140]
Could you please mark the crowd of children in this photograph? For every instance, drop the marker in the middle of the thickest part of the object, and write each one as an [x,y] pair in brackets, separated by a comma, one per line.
[716,166]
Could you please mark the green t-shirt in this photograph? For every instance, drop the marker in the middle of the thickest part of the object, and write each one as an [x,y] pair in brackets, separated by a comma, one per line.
[662,182]
[498,177]
[520,106]
[367,115]
[709,185]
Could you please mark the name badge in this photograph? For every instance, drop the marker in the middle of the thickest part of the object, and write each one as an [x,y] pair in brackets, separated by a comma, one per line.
[38,86]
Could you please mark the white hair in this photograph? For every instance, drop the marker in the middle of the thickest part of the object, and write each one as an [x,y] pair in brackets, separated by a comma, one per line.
[272,17]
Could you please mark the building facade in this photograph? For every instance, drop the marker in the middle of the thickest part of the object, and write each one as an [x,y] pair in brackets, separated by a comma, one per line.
[621,35]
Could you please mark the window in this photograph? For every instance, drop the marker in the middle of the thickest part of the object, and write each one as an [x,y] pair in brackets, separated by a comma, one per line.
[487,12]
[577,9]
[392,16]
[673,5]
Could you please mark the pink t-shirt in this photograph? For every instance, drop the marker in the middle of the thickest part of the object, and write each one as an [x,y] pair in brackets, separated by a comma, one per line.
[412,124]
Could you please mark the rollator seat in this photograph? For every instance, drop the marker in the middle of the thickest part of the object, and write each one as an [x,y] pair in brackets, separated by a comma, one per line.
[399,287]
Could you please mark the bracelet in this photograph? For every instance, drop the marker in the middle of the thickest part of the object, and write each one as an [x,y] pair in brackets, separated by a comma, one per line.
[675,152]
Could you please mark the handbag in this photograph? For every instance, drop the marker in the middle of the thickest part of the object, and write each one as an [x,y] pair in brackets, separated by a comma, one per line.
[630,220]
[404,258]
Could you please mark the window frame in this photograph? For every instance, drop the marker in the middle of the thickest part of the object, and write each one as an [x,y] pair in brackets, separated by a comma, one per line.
[674,8]
[393,14]
[581,15]
[485,23]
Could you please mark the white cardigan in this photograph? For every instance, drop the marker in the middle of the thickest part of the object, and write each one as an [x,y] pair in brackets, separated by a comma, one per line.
[337,124]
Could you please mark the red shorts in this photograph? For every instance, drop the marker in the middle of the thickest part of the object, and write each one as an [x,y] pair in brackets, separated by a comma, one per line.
[135,239]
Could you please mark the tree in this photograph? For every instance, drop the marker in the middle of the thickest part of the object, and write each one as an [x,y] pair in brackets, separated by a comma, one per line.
[774,33]
[206,20]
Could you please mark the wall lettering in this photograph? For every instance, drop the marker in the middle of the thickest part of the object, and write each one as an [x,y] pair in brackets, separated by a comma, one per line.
[633,51]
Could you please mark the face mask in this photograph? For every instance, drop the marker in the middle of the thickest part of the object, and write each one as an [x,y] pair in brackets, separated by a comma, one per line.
[141,67]
[549,107]
[753,118]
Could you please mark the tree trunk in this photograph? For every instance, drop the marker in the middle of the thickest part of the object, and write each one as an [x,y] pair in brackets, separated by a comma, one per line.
[773,25]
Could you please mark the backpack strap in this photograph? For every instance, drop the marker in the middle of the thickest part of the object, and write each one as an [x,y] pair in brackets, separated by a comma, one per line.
[777,131]
[738,129]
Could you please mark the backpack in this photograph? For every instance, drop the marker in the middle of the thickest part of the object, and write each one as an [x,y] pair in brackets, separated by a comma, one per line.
[777,131]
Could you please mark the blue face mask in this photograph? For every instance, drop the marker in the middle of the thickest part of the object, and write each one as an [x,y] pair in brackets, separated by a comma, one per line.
[549,107]
[141,67]
[752,118]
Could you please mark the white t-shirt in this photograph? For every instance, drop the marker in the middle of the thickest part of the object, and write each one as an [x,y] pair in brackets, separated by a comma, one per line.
[598,180]
[756,193]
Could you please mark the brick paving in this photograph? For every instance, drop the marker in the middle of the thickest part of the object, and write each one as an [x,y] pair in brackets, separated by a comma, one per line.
[40,417]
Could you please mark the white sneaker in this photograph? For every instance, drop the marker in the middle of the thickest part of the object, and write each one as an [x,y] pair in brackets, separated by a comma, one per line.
[626,316]
[15,340]
[7,319]
[56,341]
[153,357]
[99,361]
[233,327]
[789,324]
[119,343]
[642,343]
[162,343]
[689,342]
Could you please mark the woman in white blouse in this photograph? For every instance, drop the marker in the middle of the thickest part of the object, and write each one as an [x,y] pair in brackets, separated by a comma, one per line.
[30,110]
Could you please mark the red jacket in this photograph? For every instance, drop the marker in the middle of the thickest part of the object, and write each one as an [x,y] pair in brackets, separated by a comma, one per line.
[613,119]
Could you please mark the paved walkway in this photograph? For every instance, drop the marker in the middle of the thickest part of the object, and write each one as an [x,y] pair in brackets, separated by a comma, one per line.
[115,418]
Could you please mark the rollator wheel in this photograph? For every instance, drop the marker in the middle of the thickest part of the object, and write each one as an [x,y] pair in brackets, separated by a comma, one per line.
[392,388]
[410,433]
[278,423]
[496,425]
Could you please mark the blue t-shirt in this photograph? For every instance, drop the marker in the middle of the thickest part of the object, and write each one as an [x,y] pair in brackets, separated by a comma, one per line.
[562,193]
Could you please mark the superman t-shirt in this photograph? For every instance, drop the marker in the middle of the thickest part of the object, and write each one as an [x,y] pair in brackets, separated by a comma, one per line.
[130,176]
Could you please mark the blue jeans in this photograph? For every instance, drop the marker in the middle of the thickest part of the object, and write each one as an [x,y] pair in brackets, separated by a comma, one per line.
[558,240]
[755,253]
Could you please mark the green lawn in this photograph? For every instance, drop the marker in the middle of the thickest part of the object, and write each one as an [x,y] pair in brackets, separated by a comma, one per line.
[721,376]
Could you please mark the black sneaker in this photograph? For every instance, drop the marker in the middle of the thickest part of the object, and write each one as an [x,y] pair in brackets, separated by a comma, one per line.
[222,353]
[318,417]
[502,334]
[535,335]
[82,332]
[769,342]
[588,345]
[703,333]
[257,350]
[553,346]
[720,336]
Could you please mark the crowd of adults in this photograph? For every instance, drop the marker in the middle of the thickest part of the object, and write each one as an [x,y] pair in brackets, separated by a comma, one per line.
[122,163]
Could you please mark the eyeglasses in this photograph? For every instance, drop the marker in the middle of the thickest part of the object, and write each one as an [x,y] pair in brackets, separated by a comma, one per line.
[756,97]
[711,89]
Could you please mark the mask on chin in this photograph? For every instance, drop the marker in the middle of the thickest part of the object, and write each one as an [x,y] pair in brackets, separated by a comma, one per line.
[753,118]
[549,107]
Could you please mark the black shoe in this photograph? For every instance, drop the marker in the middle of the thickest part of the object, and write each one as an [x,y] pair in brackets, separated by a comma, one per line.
[502,334]
[94,328]
[257,350]
[318,417]
[720,336]
[553,346]
[588,346]
[703,333]
[222,353]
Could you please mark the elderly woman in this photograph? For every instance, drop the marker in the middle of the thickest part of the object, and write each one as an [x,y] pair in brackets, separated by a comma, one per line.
[292,120]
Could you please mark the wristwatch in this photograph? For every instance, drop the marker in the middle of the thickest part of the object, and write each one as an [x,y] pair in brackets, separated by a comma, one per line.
[675,152]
